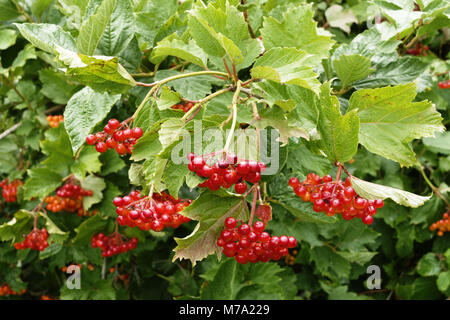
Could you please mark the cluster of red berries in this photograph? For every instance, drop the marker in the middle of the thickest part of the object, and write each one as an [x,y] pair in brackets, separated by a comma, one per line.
[334,197]
[252,244]
[9,190]
[185,106]
[156,213]
[117,136]
[442,225]
[69,198]
[420,49]
[444,84]
[5,290]
[112,244]
[226,172]
[53,121]
[35,240]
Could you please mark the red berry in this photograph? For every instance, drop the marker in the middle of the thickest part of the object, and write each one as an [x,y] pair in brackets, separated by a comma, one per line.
[240,187]
[91,139]
[230,223]
[101,147]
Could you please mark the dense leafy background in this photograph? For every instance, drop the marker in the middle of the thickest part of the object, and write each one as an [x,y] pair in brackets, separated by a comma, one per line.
[334,68]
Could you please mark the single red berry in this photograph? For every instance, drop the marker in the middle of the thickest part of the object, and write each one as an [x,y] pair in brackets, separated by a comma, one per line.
[230,223]
[91,139]
[240,187]
[101,147]
[113,123]
[137,132]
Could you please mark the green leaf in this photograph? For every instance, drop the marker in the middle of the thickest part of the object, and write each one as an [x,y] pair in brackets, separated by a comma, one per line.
[174,176]
[26,54]
[189,52]
[429,265]
[55,86]
[221,32]
[7,10]
[337,17]
[192,88]
[110,28]
[153,170]
[297,29]
[360,258]
[339,134]
[41,182]
[401,71]
[119,30]
[101,73]
[88,162]
[50,251]
[440,143]
[225,284]
[57,146]
[275,118]
[147,146]
[17,227]
[7,38]
[84,111]
[168,98]
[53,230]
[96,185]
[351,68]
[374,191]
[211,211]
[107,207]
[443,281]
[302,161]
[88,228]
[47,36]
[390,120]
[286,66]
[111,162]
[171,131]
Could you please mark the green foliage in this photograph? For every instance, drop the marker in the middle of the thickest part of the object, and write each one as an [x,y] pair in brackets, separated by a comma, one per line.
[321,87]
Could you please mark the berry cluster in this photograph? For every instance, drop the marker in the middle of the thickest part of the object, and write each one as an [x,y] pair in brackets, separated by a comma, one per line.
[334,197]
[444,84]
[117,136]
[5,290]
[185,106]
[112,244]
[35,240]
[442,225]
[156,213]
[9,190]
[53,121]
[69,198]
[226,172]
[252,244]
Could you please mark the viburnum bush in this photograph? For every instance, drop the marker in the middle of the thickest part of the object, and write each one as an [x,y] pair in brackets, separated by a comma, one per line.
[224,149]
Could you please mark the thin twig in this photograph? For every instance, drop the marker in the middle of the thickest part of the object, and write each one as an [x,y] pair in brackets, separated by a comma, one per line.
[10,130]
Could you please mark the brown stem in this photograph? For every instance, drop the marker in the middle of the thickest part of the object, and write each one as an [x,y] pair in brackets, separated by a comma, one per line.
[250,29]
[226,67]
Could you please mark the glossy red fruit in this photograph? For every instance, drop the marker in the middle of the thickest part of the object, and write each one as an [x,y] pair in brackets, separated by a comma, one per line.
[137,133]
[91,139]
[240,187]
[101,147]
